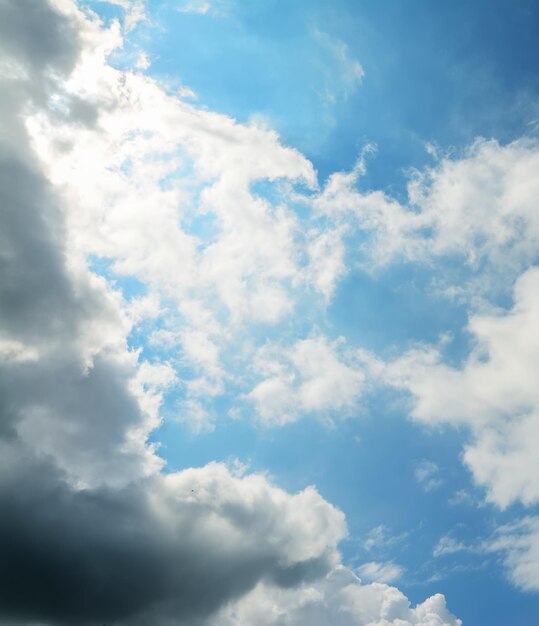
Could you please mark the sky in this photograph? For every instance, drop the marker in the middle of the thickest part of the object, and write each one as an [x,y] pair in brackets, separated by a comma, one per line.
[269,303]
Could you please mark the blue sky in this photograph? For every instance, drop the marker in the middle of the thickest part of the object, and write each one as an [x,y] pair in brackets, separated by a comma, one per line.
[303,239]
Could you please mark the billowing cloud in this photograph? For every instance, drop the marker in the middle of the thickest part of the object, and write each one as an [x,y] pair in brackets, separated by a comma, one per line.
[91,529]
[479,208]
[471,218]
[165,193]
[311,377]
[494,393]
[340,600]
[172,547]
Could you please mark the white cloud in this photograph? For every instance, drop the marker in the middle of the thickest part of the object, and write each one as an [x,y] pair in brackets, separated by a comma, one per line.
[206,7]
[345,73]
[427,475]
[520,544]
[142,169]
[448,545]
[480,208]
[494,393]
[195,7]
[338,599]
[461,497]
[327,265]
[379,539]
[311,377]
[187,93]
[376,538]
[380,572]
[195,414]
[134,11]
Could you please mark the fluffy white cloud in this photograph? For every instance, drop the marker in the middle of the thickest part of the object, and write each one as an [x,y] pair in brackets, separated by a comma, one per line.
[311,377]
[494,393]
[480,208]
[164,191]
[338,599]
[327,266]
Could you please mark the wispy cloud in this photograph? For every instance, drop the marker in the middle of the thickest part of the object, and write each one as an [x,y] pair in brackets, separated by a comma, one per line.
[380,572]
[448,545]
[427,474]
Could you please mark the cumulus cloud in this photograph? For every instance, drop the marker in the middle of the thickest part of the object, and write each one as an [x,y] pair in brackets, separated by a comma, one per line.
[65,366]
[472,218]
[479,208]
[494,393]
[337,599]
[91,530]
[169,549]
[310,377]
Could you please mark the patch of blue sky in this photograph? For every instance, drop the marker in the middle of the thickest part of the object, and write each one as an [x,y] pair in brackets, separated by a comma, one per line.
[391,309]
[106,11]
[129,287]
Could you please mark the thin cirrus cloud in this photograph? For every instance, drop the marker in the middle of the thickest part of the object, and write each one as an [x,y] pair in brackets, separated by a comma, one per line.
[380,572]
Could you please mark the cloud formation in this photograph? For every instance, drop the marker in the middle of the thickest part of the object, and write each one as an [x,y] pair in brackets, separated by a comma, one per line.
[339,600]
[494,393]
[519,542]
[380,572]
[91,530]
[310,377]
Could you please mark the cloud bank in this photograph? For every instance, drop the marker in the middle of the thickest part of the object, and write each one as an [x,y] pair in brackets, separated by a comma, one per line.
[91,529]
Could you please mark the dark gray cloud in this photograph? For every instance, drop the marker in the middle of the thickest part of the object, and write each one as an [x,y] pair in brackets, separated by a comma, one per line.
[35,34]
[124,556]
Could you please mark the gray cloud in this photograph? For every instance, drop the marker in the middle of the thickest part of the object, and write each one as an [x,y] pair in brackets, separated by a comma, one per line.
[38,35]
[143,552]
